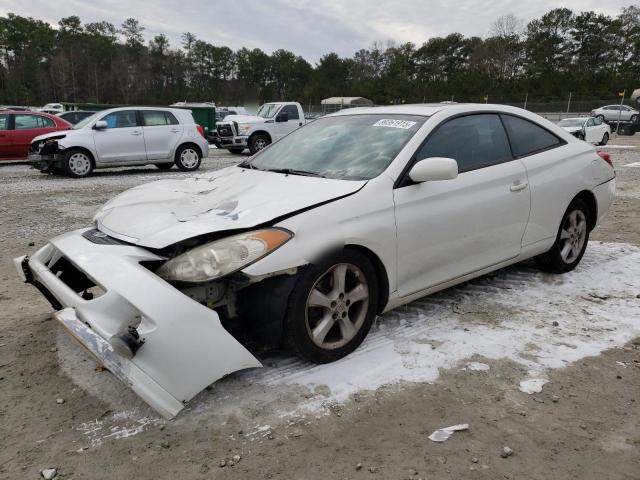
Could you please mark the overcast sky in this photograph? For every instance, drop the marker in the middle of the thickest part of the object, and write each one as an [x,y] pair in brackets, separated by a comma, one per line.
[309,28]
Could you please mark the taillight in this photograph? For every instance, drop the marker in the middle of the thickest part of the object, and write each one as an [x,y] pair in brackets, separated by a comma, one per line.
[606,157]
[200,130]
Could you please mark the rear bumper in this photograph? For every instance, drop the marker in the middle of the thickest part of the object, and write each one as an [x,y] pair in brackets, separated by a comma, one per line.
[183,348]
[605,194]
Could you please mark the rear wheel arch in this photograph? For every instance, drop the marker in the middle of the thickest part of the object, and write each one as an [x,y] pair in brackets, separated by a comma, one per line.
[590,199]
[189,144]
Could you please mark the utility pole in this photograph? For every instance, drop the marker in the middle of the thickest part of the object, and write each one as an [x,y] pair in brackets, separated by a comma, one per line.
[569,103]
[526,97]
[620,111]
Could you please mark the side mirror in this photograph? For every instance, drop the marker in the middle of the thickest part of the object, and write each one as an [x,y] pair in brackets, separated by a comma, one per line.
[100,125]
[282,117]
[434,168]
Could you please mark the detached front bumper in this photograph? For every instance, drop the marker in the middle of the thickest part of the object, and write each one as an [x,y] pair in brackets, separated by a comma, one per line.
[182,344]
[43,162]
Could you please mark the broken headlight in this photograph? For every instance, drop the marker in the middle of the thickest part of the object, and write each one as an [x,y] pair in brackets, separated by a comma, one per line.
[222,257]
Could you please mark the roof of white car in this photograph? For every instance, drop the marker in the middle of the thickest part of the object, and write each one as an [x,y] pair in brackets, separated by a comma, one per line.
[425,109]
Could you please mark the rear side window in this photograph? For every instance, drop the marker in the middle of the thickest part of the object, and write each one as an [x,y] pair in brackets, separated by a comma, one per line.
[474,141]
[4,122]
[153,118]
[527,137]
[27,122]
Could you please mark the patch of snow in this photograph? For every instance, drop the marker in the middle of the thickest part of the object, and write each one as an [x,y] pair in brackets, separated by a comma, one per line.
[619,147]
[532,385]
[477,367]
[634,164]
[507,315]
[117,425]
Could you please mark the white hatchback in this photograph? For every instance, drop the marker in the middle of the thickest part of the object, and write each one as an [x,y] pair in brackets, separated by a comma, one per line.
[124,136]
[306,242]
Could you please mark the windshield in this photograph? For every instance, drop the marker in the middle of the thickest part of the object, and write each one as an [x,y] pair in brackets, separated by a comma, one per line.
[267,110]
[353,147]
[571,122]
[85,121]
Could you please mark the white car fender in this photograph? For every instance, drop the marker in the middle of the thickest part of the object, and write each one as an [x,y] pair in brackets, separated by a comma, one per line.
[313,239]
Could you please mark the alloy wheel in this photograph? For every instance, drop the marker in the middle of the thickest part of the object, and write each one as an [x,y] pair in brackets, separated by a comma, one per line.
[572,236]
[337,306]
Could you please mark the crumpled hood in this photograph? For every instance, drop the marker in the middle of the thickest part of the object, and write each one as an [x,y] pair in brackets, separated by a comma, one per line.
[243,119]
[161,213]
[58,133]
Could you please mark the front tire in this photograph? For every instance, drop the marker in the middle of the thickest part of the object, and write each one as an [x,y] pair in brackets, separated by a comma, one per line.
[188,158]
[571,240]
[258,142]
[77,163]
[601,117]
[332,307]
[605,139]
[634,118]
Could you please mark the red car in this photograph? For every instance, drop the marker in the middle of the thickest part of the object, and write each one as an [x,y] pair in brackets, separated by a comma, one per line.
[18,128]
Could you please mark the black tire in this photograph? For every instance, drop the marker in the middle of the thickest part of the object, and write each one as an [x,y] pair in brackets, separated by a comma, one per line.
[601,117]
[634,118]
[553,260]
[164,166]
[605,139]
[258,142]
[301,319]
[188,158]
[580,136]
[236,151]
[77,163]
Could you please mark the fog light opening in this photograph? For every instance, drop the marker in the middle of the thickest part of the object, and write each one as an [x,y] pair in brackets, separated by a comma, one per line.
[126,344]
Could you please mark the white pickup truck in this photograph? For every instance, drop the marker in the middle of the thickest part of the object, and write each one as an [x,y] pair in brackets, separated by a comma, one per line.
[273,121]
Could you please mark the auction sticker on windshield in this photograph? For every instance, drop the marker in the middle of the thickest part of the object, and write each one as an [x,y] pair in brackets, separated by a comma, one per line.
[387,122]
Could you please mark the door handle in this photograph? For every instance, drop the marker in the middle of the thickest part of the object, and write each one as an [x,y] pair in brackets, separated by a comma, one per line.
[516,187]
[175,130]
[136,133]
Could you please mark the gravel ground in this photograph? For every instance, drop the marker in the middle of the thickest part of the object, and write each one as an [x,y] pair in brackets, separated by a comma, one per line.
[462,356]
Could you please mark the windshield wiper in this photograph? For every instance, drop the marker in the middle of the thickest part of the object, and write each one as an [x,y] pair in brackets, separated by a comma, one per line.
[292,171]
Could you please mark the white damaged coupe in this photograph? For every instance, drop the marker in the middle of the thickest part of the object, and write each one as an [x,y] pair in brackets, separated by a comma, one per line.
[302,245]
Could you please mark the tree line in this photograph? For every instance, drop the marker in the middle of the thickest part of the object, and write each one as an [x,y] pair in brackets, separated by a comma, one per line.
[590,54]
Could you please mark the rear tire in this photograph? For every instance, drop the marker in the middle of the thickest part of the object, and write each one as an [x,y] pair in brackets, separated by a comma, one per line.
[236,151]
[77,163]
[571,240]
[188,158]
[331,307]
[258,142]
[605,139]
[164,166]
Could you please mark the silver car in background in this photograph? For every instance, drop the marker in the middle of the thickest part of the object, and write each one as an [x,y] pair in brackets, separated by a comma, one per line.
[615,113]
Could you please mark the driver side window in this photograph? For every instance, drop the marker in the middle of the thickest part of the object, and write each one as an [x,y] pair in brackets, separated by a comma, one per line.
[291,111]
[474,141]
[123,119]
